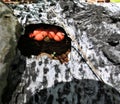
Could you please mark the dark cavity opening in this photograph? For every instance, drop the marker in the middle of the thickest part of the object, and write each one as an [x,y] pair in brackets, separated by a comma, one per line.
[57,49]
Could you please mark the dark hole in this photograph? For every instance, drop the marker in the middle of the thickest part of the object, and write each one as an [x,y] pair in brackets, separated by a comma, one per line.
[29,46]
[6,16]
[113,42]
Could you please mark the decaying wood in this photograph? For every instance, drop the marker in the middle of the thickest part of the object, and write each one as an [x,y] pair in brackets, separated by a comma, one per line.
[83,54]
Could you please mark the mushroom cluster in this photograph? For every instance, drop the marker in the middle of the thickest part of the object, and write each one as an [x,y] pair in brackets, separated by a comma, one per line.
[41,34]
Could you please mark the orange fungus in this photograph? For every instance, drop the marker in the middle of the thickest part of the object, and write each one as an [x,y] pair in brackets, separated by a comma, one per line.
[44,33]
[39,37]
[40,34]
[36,32]
[51,34]
[31,35]
[59,36]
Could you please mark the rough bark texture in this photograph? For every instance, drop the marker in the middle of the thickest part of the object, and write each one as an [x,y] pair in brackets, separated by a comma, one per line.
[97,30]
[9,28]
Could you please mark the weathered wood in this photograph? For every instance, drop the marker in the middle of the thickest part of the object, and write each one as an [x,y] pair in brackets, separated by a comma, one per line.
[47,81]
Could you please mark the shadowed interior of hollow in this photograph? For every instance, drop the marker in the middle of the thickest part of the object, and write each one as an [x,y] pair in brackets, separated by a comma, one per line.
[29,46]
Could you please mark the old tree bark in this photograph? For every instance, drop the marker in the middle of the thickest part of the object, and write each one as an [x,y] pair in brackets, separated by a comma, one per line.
[45,81]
